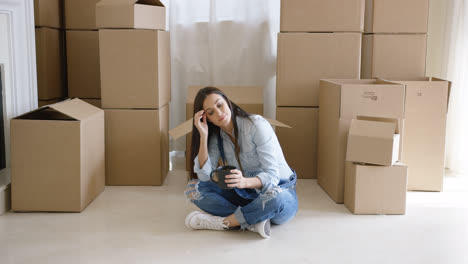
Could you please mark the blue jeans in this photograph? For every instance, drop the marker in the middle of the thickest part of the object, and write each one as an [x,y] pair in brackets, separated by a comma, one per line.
[279,204]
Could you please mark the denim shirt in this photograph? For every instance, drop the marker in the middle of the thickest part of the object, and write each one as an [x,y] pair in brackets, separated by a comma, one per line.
[260,153]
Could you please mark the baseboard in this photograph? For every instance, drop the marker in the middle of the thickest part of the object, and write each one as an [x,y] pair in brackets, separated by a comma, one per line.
[5,198]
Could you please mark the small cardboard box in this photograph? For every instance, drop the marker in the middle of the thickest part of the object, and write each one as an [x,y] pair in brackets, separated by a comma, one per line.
[299,143]
[249,98]
[305,58]
[426,107]
[390,55]
[84,78]
[396,16]
[80,14]
[373,141]
[57,157]
[142,14]
[137,146]
[50,61]
[135,68]
[322,16]
[371,189]
[340,102]
[48,13]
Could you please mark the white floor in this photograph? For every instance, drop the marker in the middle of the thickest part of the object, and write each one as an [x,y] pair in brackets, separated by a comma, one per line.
[146,225]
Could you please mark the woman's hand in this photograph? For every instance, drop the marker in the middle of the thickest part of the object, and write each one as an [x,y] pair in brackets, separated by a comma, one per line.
[236,179]
[199,119]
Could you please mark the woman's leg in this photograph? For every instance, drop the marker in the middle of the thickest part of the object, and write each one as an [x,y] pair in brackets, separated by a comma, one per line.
[212,199]
[277,204]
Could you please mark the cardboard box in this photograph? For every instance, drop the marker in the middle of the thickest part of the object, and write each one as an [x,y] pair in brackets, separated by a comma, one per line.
[373,141]
[305,58]
[57,157]
[371,189]
[48,13]
[84,78]
[299,143]
[80,14]
[137,146]
[144,80]
[50,61]
[425,125]
[42,103]
[396,16]
[390,55]
[249,98]
[318,15]
[340,102]
[131,14]
[95,102]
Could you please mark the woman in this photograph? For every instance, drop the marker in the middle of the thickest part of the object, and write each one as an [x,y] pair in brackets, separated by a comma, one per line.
[263,185]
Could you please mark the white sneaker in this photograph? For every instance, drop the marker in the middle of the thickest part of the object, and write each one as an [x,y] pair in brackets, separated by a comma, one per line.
[263,228]
[199,220]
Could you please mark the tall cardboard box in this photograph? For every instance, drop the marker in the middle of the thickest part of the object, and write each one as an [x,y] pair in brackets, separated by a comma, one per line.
[425,125]
[144,79]
[372,189]
[57,157]
[391,55]
[48,13]
[299,143]
[84,79]
[131,14]
[373,141]
[50,61]
[137,146]
[80,14]
[305,58]
[396,16]
[322,16]
[249,98]
[340,102]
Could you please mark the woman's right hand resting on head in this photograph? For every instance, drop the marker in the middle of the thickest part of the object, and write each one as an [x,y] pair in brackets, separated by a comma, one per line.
[201,123]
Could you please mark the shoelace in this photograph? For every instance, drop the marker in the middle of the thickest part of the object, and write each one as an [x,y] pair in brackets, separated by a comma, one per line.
[210,223]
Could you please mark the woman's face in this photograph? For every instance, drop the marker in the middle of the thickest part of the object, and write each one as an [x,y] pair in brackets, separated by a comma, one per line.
[217,110]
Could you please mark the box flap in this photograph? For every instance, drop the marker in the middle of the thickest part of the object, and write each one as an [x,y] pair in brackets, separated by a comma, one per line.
[365,128]
[76,108]
[130,2]
[383,119]
[237,94]
[186,127]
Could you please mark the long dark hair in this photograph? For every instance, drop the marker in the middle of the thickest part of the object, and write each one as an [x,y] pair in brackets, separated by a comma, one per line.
[212,128]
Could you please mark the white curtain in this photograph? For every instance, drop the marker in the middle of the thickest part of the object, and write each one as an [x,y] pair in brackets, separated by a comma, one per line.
[222,43]
[448,58]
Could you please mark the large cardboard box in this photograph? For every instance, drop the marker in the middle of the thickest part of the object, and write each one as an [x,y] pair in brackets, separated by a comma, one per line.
[50,61]
[80,14]
[396,16]
[143,14]
[305,58]
[48,13]
[249,98]
[372,189]
[84,78]
[340,102]
[390,55]
[425,124]
[320,16]
[373,141]
[299,143]
[57,157]
[137,146]
[144,79]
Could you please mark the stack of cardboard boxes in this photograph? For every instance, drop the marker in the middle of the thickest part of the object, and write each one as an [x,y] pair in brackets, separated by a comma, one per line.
[50,51]
[135,79]
[375,182]
[394,42]
[318,39]
[82,51]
